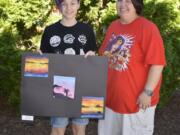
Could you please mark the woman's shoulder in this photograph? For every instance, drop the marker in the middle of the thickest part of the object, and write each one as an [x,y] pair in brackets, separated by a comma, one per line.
[115,22]
[148,26]
[146,23]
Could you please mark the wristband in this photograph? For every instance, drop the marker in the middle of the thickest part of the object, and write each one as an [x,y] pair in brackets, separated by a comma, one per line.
[148,92]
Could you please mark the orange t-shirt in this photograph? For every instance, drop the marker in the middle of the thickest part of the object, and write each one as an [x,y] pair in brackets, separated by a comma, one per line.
[131,50]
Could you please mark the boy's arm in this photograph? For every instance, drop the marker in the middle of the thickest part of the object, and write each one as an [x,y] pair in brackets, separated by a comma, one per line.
[44,47]
[91,44]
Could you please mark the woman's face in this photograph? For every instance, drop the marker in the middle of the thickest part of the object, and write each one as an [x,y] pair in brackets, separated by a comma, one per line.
[125,9]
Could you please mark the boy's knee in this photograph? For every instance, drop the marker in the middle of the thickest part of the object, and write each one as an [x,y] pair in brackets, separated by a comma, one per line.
[78,129]
[58,131]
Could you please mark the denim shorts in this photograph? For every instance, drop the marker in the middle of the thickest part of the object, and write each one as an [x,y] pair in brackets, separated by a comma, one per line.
[62,122]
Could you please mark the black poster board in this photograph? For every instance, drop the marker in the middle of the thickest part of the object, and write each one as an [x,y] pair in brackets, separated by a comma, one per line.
[63,85]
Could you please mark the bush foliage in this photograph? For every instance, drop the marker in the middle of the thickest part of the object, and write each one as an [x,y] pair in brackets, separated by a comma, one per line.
[21,20]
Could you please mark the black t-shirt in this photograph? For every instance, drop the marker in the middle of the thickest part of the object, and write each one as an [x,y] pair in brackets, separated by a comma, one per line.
[77,39]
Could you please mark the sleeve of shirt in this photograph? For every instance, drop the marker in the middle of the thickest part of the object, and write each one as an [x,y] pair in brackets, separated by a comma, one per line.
[152,45]
[44,47]
[92,41]
[105,41]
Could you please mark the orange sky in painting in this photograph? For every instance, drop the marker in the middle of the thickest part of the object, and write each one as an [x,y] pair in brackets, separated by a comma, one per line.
[92,105]
[36,65]
[37,60]
[92,102]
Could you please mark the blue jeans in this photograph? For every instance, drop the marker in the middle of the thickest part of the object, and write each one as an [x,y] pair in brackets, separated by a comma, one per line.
[62,122]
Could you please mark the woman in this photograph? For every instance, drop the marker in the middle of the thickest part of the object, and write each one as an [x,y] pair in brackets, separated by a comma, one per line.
[134,79]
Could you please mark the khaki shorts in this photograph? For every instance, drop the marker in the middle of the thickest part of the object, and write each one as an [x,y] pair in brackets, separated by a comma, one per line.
[140,123]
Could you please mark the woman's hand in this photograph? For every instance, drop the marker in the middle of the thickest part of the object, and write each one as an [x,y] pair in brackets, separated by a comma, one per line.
[89,53]
[144,101]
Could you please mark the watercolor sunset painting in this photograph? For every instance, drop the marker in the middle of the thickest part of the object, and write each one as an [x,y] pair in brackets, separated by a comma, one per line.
[92,107]
[36,66]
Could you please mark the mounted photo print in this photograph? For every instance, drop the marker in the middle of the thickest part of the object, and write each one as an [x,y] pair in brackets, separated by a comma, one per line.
[36,66]
[64,87]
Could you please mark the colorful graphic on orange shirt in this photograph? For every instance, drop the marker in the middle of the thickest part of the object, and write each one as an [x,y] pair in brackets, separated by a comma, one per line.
[118,51]
[36,66]
[92,107]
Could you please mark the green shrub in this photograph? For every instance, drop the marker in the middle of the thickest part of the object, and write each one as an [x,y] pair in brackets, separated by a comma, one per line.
[19,21]
[166,14]
[9,68]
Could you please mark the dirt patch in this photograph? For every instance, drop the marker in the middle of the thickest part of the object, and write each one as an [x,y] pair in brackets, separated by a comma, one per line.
[167,121]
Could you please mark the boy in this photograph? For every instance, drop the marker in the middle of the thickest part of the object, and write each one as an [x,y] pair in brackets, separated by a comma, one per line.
[68,36]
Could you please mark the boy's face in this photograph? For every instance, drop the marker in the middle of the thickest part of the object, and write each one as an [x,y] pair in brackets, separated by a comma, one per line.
[69,9]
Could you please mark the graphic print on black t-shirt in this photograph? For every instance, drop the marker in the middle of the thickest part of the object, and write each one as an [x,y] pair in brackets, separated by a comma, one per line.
[55,41]
[82,39]
[75,40]
[118,51]
[68,39]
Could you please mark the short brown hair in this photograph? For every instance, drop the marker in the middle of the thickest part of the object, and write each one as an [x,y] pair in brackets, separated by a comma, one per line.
[58,2]
[138,5]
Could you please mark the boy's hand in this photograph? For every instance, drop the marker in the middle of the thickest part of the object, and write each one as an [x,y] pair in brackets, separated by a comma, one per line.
[40,52]
[89,53]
